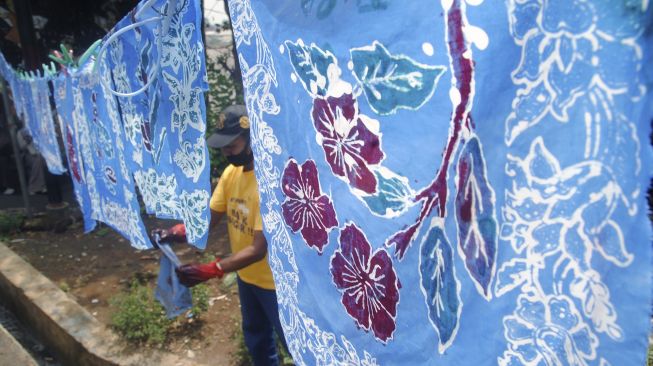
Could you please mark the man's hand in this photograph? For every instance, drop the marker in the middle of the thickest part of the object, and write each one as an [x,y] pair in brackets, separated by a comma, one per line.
[193,274]
[174,234]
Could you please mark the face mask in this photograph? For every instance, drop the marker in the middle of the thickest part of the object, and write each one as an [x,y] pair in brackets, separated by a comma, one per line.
[243,158]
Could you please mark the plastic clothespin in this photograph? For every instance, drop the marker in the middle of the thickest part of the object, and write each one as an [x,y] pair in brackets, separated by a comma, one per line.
[46,70]
[88,53]
[67,54]
[58,58]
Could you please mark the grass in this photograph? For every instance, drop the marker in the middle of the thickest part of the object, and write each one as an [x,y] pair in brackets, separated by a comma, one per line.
[138,316]
[201,294]
[10,222]
[64,286]
[241,355]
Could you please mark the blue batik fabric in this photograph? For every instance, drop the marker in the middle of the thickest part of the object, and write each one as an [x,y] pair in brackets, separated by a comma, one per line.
[111,187]
[40,124]
[65,104]
[22,99]
[6,71]
[165,124]
[8,74]
[453,182]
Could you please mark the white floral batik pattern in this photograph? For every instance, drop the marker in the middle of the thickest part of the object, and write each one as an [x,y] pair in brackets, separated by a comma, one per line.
[560,219]
[308,343]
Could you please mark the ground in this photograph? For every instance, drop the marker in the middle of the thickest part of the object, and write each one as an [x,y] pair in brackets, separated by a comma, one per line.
[96,266]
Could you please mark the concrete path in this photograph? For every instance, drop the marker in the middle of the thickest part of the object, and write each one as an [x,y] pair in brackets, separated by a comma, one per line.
[11,352]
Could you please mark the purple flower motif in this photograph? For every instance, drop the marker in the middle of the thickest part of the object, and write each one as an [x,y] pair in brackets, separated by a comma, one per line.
[368,282]
[349,145]
[305,208]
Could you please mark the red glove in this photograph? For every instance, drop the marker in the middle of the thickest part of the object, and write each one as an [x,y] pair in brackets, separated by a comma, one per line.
[193,274]
[175,234]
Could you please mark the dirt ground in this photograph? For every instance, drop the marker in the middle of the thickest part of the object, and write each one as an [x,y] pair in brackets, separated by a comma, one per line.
[96,266]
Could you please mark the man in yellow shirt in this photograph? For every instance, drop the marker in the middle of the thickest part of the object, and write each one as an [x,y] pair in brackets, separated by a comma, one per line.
[237,196]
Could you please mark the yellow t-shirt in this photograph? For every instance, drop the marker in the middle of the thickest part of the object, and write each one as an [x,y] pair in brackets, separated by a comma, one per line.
[237,196]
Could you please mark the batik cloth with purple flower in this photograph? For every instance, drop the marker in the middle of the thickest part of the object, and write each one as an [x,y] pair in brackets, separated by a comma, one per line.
[440,177]
[64,101]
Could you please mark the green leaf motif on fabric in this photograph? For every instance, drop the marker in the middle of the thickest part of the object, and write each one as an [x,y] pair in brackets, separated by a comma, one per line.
[392,196]
[311,65]
[391,81]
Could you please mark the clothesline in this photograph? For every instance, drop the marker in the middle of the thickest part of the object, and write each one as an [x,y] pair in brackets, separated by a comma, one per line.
[131,116]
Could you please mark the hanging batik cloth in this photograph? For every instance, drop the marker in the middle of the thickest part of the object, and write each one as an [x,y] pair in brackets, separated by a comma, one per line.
[65,103]
[31,97]
[453,182]
[165,123]
[149,129]
[39,122]
[95,145]
[9,75]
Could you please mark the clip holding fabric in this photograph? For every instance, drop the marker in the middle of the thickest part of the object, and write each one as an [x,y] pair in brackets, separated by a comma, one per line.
[88,53]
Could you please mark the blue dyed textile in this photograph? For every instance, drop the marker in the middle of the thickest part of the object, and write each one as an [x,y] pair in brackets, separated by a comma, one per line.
[165,125]
[151,140]
[71,136]
[175,297]
[31,99]
[96,155]
[37,115]
[454,182]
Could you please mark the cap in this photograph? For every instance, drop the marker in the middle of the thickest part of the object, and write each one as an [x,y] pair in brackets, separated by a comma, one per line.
[231,123]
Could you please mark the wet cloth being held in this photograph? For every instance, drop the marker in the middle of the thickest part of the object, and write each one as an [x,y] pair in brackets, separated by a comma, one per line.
[174,296]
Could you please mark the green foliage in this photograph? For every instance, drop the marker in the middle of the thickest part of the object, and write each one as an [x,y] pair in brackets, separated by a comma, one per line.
[241,355]
[207,258]
[138,316]
[284,356]
[11,222]
[649,357]
[102,231]
[201,294]
[228,282]
[224,90]
[64,286]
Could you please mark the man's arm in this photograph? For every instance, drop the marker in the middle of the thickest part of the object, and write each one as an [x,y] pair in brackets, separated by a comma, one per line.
[247,256]
[192,274]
